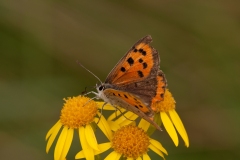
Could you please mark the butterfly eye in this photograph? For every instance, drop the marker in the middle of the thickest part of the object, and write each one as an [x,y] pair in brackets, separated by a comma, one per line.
[101,88]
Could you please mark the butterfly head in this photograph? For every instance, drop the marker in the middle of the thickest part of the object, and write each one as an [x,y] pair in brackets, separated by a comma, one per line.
[100,91]
[101,87]
[103,91]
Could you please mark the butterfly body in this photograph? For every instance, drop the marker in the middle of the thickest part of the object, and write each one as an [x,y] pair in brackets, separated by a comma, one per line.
[136,82]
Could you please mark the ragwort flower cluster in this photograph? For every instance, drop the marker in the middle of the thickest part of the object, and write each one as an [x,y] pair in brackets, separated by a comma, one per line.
[125,138]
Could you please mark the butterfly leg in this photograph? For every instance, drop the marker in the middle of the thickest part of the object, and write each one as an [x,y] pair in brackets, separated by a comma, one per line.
[90,100]
[101,112]
[92,92]
[85,91]
[122,113]
[117,109]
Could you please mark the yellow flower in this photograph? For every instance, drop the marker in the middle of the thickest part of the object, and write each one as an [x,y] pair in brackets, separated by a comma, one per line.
[133,142]
[170,118]
[164,113]
[77,113]
[130,142]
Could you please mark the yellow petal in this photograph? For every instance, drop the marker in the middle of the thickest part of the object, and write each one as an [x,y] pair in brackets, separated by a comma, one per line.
[128,116]
[139,158]
[67,144]
[132,159]
[87,150]
[117,112]
[144,125]
[55,129]
[114,115]
[90,136]
[56,125]
[60,143]
[156,150]
[158,145]
[104,126]
[179,126]
[103,147]
[113,156]
[146,157]
[80,155]
[169,127]
[113,125]
[106,107]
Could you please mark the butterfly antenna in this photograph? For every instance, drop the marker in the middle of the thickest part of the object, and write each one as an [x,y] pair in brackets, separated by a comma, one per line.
[89,72]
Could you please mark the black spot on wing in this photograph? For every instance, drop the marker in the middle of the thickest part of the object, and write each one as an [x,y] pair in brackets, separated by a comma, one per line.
[140,74]
[162,95]
[136,107]
[144,65]
[130,61]
[134,49]
[125,96]
[123,69]
[140,60]
[144,53]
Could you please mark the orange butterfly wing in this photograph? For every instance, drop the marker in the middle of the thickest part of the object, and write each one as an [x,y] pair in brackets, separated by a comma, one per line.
[138,63]
[136,82]
[138,73]
[128,98]
[131,103]
[161,87]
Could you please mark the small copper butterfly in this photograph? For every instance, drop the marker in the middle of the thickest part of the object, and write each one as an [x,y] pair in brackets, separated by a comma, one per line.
[136,82]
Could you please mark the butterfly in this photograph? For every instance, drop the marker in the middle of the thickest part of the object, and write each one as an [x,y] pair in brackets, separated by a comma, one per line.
[136,82]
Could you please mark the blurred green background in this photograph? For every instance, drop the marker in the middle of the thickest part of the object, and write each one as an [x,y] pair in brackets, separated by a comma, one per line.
[199,45]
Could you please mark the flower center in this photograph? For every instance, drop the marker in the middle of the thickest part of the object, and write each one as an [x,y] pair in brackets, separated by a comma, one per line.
[167,104]
[130,141]
[78,111]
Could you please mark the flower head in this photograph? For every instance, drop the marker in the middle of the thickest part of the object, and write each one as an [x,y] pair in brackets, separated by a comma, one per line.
[77,113]
[164,113]
[133,142]
[167,104]
[170,118]
[130,141]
